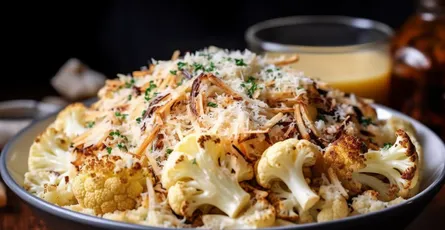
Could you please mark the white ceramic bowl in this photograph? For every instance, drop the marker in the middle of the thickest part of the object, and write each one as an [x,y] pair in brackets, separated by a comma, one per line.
[14,158]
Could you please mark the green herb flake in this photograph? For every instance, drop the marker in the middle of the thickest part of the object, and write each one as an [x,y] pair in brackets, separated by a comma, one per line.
[122,147]
[269,70]
[321,117]
[211,104]
[194,161]
[365,121]
[180,82]
[143,112]
[198,66]
[109,150]
[148,90]
[90,124]
[129,97]
[173,72]
[115,133]
[138,120]
[386,146]
[169,151]
[211,67]
[240,62]
[130,83]
[181,65]
[250,85]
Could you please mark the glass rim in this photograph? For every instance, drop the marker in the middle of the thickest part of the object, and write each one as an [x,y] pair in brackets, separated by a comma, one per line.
[254,41]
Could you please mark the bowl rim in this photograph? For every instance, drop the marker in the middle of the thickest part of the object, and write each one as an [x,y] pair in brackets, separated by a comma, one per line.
[95,221]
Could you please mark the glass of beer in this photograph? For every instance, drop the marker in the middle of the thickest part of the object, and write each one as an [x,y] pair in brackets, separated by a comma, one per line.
[351,54]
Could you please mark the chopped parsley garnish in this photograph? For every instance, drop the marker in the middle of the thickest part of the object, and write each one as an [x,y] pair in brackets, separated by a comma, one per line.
[365,121]
[269,70]
[143,112]
[122,147]
[169,151]
[119,114]
[211,104]
[173,72]
[90,124]
[138,120]
[211,67]
[198,66]
[180,82]
[300,87]
[208,56]
[130,83]
[250,85]
[115,133]
[387,146]
[194,161]
[109,150]
[321,117]
[149,89]
[181,65]
[240,62]
[129,97]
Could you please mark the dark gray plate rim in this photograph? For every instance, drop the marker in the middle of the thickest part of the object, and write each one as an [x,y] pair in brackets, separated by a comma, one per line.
[111,224]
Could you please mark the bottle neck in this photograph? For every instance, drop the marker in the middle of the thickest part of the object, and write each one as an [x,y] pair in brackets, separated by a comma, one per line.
[436,7]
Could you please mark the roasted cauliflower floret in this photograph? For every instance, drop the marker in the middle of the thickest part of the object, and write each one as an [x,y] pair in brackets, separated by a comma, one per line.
[50,186]
[368,202]
[71,120]
[50,168]
[284,161]
[259,214]
[334,200]
[50,152]
[397,163]
[344,156]
[98,187]
[200,172]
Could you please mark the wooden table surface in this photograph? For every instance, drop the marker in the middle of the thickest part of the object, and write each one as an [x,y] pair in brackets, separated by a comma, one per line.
[18,216]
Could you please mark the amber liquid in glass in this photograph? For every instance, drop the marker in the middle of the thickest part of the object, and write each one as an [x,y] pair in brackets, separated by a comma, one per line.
[418,79]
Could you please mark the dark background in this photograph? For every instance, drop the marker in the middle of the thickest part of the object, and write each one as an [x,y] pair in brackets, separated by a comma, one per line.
[121,36]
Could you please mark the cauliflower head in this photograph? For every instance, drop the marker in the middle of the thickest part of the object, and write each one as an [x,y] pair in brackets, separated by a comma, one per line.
[259,214]
[368,202]
[200,172]
[98,187]
[284,161]
[397,163]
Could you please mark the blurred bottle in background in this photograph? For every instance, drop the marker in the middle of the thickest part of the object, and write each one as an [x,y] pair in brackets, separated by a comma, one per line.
[418,79]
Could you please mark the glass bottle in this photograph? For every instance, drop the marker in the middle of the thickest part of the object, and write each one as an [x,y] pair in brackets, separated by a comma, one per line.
[418,78]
